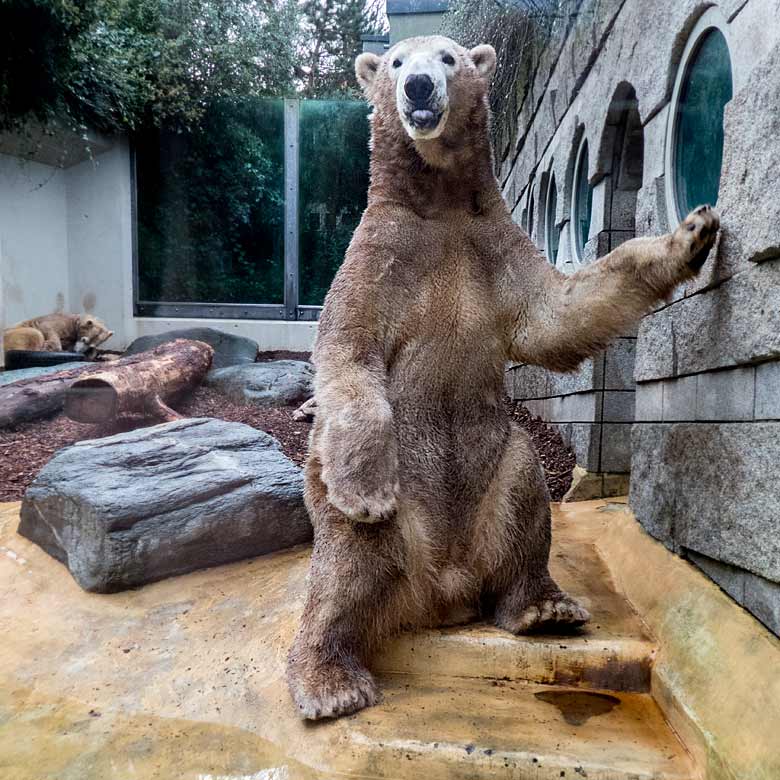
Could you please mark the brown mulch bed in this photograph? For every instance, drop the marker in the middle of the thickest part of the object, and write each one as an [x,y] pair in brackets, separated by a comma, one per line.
[25,449]
[558,460]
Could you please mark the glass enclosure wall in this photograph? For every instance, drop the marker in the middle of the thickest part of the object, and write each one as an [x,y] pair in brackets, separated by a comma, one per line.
[250,214]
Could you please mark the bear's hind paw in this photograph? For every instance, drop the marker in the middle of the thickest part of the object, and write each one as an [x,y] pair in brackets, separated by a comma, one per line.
[333,691]
[560,610]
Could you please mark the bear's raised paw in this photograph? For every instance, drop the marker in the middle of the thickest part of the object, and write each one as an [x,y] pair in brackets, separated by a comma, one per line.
[698,232]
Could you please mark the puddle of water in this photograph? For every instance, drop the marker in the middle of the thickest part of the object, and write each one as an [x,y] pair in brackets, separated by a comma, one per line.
[577,707]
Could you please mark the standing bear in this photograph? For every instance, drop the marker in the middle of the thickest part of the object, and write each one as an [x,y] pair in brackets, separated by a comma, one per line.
[427,501]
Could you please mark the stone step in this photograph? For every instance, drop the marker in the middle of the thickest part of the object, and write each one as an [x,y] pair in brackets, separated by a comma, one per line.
[612,652]
[445,728]
[590,660]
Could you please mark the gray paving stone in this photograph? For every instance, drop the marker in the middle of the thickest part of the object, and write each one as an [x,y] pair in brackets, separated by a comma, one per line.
[679,403]
[762,598]
[616,447]
[711,488]
[734,324]
[725,395]
[768,391]
[649,401]
[619,365]
[618,406]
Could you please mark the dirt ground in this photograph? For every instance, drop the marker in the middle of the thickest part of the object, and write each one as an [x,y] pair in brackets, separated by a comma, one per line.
[25,449]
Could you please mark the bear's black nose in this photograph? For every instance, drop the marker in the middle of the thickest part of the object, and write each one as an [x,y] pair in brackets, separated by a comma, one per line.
[418,88]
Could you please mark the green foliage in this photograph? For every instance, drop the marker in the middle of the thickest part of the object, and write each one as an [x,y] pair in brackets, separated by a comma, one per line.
[210,207]
[331,31]
[333,188]
[36,54]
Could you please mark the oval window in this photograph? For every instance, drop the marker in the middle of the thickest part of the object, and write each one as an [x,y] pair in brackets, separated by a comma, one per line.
[551,232]
[583,201]
[698,136]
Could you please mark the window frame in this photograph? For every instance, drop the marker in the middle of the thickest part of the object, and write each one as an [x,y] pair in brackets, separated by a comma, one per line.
[712,19]
[288,310]
[549,221]
[577,251]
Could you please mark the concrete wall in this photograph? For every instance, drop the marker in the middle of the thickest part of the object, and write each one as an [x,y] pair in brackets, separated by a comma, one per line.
[33,239]
[705,439]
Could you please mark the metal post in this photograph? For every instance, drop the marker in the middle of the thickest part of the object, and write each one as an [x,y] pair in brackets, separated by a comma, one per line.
[291,177]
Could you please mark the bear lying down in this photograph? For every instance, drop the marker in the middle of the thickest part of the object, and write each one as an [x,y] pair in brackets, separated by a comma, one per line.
[428,503]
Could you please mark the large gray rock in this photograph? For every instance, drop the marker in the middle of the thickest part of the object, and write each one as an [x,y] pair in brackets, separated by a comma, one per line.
[278,382]
[165,500]
[7,377]
[229,350]
[711,488]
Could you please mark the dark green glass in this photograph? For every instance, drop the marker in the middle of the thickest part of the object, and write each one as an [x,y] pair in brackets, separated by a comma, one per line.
[210,221]
[334,158]
[552,231]
[583,200]
[698,140]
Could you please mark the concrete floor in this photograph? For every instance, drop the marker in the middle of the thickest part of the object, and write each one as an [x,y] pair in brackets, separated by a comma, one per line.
[184,679]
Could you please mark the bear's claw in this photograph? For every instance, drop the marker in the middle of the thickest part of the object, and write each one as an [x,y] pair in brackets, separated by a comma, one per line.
[332,691]
[558,610]
[699,231]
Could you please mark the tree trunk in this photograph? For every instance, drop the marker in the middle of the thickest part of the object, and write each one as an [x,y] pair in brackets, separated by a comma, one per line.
[142,384]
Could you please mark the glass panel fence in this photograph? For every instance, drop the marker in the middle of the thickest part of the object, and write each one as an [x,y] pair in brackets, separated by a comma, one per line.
[333,188]
[211,215]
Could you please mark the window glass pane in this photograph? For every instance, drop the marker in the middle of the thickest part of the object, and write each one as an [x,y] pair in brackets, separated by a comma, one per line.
[333,188]
[707,87]
[552,232]
[210,207]
[583,195]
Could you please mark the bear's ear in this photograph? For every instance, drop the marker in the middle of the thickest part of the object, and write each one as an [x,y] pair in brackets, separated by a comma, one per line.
[87,322]
[484,57]
[366,68]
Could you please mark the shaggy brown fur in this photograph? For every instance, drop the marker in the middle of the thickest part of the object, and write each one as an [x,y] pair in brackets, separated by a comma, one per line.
[426,500]
[58,332]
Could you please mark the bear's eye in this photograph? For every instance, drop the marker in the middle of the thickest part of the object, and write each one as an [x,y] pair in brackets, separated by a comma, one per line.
[396,63]
[448,59]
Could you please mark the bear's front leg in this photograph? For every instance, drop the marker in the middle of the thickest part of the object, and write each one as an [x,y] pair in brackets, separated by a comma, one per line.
[355,599]
[359,455]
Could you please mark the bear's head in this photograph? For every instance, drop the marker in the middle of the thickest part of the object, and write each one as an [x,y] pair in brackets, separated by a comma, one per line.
[429,84]
[91,333]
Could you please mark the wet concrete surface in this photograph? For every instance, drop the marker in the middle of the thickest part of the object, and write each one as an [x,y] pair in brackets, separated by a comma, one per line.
[184,679]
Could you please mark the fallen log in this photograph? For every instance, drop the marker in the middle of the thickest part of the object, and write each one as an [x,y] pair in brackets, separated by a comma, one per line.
[142,384]
[40,396]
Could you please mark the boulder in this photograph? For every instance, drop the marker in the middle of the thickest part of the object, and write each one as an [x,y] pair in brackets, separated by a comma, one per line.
[229,350]
[160,501]
[278,382]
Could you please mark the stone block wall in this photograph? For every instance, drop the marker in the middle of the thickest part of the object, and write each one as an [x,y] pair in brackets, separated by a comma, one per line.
[690,403]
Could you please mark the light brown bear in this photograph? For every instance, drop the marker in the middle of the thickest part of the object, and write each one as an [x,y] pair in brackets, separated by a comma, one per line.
[426,499]
[57,332]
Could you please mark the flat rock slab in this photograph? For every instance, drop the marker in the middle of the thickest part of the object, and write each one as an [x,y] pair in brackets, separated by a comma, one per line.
[229,350]
[7,377]
[152,503]
[274,383]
